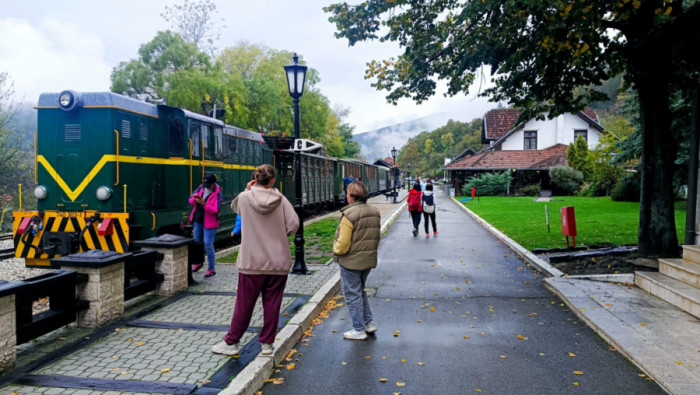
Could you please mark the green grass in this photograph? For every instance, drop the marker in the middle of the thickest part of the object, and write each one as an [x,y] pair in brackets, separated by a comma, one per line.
[318,246]
[598,220]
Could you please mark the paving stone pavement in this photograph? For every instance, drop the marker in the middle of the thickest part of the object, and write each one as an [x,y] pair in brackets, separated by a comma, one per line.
[161,342]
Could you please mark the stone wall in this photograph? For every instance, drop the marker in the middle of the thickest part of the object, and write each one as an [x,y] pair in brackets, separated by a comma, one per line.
[8,339]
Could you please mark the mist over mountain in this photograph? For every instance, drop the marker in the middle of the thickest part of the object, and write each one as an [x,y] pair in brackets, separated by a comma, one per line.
[377,144]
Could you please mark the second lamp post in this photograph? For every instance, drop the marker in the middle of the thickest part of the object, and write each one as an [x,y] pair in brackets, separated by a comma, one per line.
[296,77]
[396,178]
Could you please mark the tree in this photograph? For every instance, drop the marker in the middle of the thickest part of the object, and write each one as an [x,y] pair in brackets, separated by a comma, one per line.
[546,57]
[578,157]
[195,23]
[15,164]
[160,61]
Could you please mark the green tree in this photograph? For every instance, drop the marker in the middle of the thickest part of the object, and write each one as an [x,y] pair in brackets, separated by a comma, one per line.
[160,62]
[196,23]
[579,159]
[428,145]
[447,140]
[546,56]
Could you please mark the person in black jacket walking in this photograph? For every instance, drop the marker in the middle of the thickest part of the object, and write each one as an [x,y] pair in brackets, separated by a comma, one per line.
[428,203]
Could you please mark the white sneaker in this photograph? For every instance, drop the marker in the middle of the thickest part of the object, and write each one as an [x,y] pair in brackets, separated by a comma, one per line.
[355,335]
[266,349]
[226,349]
[370,327]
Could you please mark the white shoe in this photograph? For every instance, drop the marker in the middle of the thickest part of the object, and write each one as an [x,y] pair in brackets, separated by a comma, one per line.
[226,349]
[370,327]
[355,335]
[266,349]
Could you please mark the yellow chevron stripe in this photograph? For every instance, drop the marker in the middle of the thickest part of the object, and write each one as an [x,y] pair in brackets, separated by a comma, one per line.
[74,193]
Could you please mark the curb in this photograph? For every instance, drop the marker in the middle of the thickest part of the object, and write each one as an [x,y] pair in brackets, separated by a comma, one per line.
[253,376]
[526,255]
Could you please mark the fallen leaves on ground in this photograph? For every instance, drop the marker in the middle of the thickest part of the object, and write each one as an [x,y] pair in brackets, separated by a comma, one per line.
[166,370]
[397,333]
[572,354]
[383,380]
[291,366]
[578,372]
[421,363]
[400,384]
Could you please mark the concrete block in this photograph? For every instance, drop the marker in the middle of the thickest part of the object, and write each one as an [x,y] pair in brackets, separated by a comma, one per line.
[285,341]
[251,378]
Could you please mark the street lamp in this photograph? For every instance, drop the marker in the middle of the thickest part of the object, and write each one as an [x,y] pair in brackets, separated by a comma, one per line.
[296,77]
[393,156]
[408,170]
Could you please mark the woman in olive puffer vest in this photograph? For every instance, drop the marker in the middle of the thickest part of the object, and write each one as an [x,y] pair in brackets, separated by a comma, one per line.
[355,250]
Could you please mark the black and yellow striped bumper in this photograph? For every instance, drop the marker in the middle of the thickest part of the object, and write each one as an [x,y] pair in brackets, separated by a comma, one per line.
[41,236]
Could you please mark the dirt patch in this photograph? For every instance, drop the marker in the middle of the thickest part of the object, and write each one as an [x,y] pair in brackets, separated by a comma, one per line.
[606,264]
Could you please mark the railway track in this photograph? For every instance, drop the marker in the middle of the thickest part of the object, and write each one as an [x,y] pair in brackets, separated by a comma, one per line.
[6,253]
[7,236]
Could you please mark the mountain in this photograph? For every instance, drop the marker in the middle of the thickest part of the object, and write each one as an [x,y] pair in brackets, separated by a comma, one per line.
[377,144]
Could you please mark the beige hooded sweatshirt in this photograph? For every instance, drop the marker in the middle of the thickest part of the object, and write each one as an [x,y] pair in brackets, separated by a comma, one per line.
[267,219]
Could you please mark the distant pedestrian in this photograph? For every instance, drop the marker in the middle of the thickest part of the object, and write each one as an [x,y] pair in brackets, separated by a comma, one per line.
[264,259]
[428,200]
[355,250]
[422,184]
[206,200]
[347,181]
[415,206]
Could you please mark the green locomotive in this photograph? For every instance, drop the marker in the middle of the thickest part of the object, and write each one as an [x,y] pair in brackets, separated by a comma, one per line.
[110,170]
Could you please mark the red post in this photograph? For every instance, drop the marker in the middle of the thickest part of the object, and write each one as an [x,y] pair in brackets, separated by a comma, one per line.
[568,224]
[473,193]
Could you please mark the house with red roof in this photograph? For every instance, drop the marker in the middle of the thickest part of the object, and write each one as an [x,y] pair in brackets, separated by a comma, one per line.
[527,149]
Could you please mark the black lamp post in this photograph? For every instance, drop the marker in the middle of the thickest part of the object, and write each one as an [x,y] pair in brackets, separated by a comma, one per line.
[396,178]
[408,170]
[296,76]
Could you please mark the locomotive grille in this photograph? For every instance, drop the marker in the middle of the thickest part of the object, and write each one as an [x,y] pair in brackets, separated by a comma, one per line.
[72,133]
[144,132]
[126,129]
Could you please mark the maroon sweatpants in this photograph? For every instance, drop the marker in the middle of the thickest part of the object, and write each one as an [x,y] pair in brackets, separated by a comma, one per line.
[249,287]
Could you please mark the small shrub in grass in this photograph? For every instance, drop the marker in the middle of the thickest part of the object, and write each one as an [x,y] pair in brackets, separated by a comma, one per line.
[626,189]
[489,184]
[566,180]
[530,190]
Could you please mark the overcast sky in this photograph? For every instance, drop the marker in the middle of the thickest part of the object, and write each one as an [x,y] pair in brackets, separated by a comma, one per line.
[49,46]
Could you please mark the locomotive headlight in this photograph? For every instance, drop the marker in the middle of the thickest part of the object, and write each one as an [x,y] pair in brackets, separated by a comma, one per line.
[104,193]
[69,100]
[40,192]
[65,99]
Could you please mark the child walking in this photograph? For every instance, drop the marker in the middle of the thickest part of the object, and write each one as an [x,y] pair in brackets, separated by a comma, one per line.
[429,209]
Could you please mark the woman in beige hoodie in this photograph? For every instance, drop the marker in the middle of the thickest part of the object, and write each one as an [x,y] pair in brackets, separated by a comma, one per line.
[263,260]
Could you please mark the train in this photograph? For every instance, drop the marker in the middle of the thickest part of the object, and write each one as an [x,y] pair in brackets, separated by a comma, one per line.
[110,170]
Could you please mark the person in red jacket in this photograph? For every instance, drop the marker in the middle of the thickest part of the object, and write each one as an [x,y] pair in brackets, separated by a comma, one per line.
[206,202]
[415,206]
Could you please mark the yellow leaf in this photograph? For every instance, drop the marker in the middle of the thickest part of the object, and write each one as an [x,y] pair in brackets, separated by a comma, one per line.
[576,383]
[578,372]
[397,333]
[572,354]
[421,363]
[400,384]
[344,363]
[130,340]
[503,357]
[478,390]
[581,308]
[383,380]
[642,375]
[466,337]
[432,309]
[125,372]
[61,338]
[483,333]
[608,305]
[334,330]
[291,366]
[643,324]
[278,381]
[115,357]
[166,370]
[403,360]
[679,362]
[139,343]
[367,357]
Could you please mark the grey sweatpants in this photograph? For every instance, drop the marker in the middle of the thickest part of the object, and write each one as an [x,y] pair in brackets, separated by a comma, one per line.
[352,282]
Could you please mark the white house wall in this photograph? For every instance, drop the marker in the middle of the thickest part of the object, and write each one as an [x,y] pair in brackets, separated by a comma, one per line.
[552,132]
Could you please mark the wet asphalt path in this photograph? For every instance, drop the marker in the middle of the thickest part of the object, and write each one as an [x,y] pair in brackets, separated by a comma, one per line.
[438,291]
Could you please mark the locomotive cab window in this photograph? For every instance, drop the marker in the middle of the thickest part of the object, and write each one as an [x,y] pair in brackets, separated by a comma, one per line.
[206,138]
[219,143]
[176,137]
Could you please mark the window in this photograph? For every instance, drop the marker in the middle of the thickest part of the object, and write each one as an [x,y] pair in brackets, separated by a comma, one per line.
[219,140]
[206,131]
[530,140]
[176,137]
[196,140]
[583,133]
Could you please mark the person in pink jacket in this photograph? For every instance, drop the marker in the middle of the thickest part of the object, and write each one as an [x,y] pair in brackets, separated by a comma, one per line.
[206,202]
[264,259]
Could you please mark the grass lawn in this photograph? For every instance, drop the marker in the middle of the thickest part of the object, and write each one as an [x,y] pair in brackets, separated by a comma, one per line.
[599,220]
[318,246]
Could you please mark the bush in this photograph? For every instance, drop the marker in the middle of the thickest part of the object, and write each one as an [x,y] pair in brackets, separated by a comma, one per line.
[627,189]
[530,190]
[566,180]
[489,184]
[586,190]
